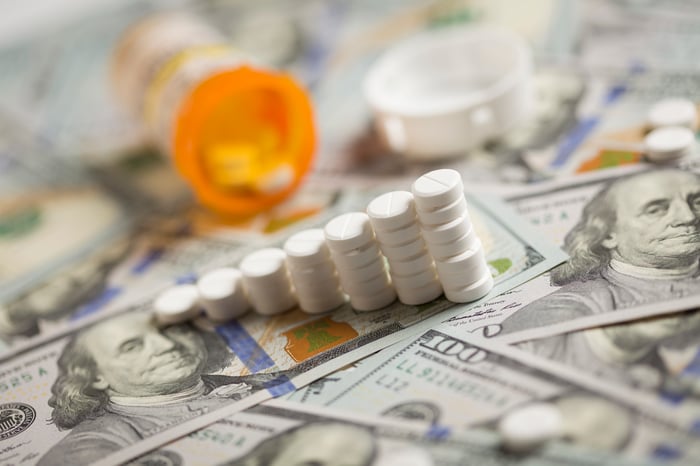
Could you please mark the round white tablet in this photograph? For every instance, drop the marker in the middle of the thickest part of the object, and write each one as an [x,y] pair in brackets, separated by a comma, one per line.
[463,264]
[673,112]
[374,302]
[222,295]
[370,286]
[464,243]
[267,281]
[317,305]
[392,210]
[405,235]
[177,304]
[412,265]
[360,274]
[316,278]
[437,189]
[456,209]
[306,248]
[415,281]
[424,294]
[447,232]
[670,143]
[348,231]
[471,292]
[531,426]
[357,257]
[403,251]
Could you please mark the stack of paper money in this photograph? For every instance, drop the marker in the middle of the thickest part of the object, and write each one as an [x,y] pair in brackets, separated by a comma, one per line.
[594,253]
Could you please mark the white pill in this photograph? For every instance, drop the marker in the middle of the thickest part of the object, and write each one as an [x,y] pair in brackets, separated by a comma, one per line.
[529,427]
[445,214]
[357,257]
[447,232]
[375,302]
[368,286]
[403,251]
[415,281]
[471,292]
[670,143]
[306,248]
[458,281]
[405,235]
[392,210]
[437,189]
[305,281]
[414,296]
[411,265]
[177,304]
[348,231]
[267,281]
[222,295]
[464,263]
[317,305]
[458,246]
[359,274]
[673,112]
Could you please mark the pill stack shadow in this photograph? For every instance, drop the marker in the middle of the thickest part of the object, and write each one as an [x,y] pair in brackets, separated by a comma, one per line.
[425,236]
[451,239]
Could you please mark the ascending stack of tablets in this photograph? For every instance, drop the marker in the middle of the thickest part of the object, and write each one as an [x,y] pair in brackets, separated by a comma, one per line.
[393,217]
[221,294]
[267,281]
[312,272]
[359,262]
[448,233]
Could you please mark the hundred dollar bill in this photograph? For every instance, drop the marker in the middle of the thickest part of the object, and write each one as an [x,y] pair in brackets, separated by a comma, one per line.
[121,386]
[660,356]
[633,234]
[286,433]
[452,380]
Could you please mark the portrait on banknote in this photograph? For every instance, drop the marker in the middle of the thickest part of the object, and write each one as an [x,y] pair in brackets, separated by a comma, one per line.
[124,379]
[636,242]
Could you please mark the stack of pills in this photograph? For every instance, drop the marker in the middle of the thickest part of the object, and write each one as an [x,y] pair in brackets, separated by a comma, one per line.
[448,233]
[221,294]
[672,136]
[393,216]
[359,262]
[312,272]
[267,281]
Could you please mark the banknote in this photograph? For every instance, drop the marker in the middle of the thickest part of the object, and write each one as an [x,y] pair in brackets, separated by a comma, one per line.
[656,355]
[122,386]
[452,380]
[632,234]
[287,433]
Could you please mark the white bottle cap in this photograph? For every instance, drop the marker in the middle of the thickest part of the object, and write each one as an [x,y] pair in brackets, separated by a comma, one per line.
[669,143]
[446,91]
[673,112]
[177,304]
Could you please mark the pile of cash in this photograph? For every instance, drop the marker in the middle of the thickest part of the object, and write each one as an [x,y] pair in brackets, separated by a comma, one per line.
[594,253]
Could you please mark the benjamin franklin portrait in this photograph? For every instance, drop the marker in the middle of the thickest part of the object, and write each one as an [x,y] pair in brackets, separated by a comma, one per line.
[637,242]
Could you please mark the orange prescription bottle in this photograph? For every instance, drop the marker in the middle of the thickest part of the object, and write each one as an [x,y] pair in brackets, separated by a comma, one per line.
[241,135]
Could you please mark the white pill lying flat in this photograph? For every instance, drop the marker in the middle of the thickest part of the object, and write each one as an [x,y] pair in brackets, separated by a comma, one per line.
[267,282]
[177,304]
[348,231]
[670,143]
[405,235]
[471,292]
[392,210]
[458,246]
[306,248]
[447,232]
[527,428]
[673,112]
[375,302]
[445,214]
[222,295]
[412,265]
[421,295]
[403,251]
[437,189]
[357,257]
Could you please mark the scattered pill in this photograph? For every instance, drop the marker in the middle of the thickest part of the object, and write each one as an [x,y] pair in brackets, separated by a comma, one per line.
[177,304]
[222,295]
[669,143]
[529,427]
[266,279]
[673,112]
[437,189]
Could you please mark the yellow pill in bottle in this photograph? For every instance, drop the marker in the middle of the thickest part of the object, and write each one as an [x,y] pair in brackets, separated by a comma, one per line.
[240,134]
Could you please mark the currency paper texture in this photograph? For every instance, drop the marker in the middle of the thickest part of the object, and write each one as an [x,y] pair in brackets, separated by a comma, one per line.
[122,386]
